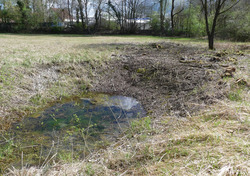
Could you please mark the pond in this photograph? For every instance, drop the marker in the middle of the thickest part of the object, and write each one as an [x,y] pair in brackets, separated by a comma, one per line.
[73,129]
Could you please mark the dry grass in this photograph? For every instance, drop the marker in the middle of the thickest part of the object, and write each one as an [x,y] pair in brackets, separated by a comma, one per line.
[214,143]
[38,69]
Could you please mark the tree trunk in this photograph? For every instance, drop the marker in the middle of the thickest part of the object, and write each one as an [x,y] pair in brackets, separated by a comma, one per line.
[70,19]
[218,5]
[109,17]
[77,15]
[211,42]
[81,13]
[188,32]
[172,17]
[161,17]
[122,16]
[86,14]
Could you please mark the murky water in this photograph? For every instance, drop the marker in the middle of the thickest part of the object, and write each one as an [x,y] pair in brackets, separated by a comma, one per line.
[73,129]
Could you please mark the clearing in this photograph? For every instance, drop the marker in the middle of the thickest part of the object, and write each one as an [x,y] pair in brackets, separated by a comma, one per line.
[197,101]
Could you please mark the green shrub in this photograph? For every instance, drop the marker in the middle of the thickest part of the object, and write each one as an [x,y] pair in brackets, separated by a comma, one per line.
[155,23]
[56,29]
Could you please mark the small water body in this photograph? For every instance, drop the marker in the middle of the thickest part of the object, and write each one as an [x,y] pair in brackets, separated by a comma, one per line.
[73,129]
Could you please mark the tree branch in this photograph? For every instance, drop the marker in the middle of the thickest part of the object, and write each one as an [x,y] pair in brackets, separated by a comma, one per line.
[230,7]
[202,4]
[223,2]
[179,12]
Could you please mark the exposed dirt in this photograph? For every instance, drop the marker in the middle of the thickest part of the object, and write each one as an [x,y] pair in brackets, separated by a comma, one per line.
[167,78]
[172,78]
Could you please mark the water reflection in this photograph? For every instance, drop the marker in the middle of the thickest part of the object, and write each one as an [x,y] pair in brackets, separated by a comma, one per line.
[126,103]
[80,125]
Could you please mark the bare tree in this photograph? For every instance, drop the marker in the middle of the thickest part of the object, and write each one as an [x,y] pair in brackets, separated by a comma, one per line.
[81,13]
[173,13]
[69,11]
[116,12]
[217,7]
[86,4]
[97,5]
[163,8]
[135,8]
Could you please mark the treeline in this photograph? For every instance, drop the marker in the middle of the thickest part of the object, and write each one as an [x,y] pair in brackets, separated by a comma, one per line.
[190,18]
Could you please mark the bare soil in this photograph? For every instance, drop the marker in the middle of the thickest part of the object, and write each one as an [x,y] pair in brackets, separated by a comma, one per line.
[172,79]
[169,79]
